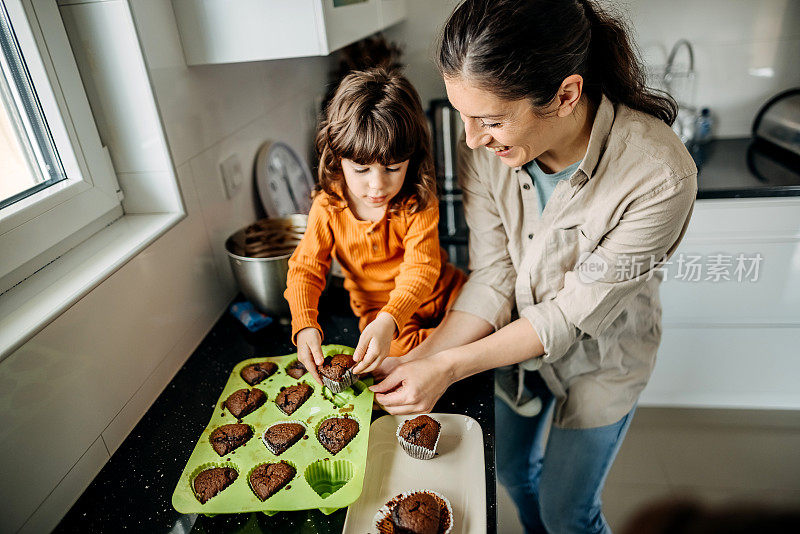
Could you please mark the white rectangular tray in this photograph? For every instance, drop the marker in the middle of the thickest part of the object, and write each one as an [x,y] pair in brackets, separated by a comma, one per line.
[458,472]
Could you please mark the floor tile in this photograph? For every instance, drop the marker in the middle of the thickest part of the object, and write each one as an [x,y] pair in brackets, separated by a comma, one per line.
[621,502]
[731,457]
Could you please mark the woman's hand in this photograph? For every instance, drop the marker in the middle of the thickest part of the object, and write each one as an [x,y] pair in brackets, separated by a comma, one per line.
[309,351]
[414,387]
[374,343]
[390,364]
[383,369]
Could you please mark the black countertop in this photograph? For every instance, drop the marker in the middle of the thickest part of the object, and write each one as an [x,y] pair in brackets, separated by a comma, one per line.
[133,492]
[740,168]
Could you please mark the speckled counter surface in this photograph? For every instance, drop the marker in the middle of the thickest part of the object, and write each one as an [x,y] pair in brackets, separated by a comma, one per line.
[133,492]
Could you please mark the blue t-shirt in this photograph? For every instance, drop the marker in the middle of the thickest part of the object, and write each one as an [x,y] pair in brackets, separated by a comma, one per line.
[546,183]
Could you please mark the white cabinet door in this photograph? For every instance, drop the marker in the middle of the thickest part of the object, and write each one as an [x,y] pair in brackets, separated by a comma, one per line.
[347,21]
[731,337]
[231,31]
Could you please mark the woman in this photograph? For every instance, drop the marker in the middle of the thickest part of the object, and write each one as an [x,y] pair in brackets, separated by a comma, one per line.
[575,188]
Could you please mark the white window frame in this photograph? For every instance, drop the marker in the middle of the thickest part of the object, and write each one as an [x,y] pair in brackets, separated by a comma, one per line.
[38,229]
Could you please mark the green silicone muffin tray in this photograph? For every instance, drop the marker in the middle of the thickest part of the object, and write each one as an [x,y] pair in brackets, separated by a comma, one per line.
[323,480]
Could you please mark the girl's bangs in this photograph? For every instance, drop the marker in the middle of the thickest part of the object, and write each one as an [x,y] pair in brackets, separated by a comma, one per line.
[373,140]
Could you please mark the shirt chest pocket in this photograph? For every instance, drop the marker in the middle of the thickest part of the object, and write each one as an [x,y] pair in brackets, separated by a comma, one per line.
[565,248]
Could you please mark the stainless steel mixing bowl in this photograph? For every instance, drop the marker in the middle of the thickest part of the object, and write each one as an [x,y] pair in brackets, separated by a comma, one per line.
[263,280]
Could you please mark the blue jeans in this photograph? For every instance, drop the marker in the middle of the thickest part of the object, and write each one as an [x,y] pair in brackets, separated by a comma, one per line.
[557,490]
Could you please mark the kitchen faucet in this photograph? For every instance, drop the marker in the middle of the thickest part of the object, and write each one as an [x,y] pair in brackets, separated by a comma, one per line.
[682,92]
[670,76]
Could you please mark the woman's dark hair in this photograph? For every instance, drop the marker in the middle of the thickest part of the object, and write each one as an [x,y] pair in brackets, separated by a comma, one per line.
[525,48]
[375,115]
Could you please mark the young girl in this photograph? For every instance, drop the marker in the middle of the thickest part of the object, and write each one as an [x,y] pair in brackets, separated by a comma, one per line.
[377,214]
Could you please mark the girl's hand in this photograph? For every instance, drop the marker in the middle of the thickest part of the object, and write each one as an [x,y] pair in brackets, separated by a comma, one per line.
[414,387]
[309,351]
[374,343]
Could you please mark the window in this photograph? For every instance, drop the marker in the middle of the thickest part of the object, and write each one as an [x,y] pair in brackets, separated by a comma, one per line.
[57,185]
[29,159]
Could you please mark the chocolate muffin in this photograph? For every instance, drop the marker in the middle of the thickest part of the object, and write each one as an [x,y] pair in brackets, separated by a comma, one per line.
[210,482]
[281,436]
[291,398]
[267,479]
[419,437]
[255,373]
[418,513]
[296,369]
[227,438]
[335,433]
[336,372]
[244,401]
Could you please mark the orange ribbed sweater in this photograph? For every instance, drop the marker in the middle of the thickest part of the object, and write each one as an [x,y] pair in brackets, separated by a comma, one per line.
[392,264]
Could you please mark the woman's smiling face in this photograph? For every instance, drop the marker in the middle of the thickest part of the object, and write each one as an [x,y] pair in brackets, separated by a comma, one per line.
[508,128]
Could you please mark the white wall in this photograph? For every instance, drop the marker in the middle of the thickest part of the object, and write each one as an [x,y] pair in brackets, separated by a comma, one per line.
[69,397]
[417,35]
[745,50]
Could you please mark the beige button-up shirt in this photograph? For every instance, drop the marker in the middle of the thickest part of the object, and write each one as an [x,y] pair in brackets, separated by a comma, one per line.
[584,273]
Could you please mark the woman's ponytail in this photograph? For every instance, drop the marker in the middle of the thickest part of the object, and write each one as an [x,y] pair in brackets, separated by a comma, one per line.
[613,67]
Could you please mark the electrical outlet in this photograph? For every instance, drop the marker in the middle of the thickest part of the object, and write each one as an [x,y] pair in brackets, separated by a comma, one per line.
[232,175]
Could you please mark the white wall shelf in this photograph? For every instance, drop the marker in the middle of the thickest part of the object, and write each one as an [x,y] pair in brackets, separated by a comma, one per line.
[227,31]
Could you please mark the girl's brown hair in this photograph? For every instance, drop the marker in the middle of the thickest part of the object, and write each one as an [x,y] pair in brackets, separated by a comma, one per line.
[375,116]
[526,48]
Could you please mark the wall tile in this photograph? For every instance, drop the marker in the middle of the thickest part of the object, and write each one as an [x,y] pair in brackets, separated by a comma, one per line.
[201,105]
[225,216]
[417,36]
[712,21]
[198,105]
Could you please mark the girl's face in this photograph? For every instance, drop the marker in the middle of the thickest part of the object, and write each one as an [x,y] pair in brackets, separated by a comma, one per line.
[371,187]
[508,128]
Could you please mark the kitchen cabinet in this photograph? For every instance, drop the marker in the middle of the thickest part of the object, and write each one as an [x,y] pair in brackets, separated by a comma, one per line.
[232,31]
[731,309]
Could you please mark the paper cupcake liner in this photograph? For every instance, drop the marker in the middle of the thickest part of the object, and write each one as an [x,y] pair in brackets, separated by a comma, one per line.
[418,451]
[338,386]
[267,444]
[383,518]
